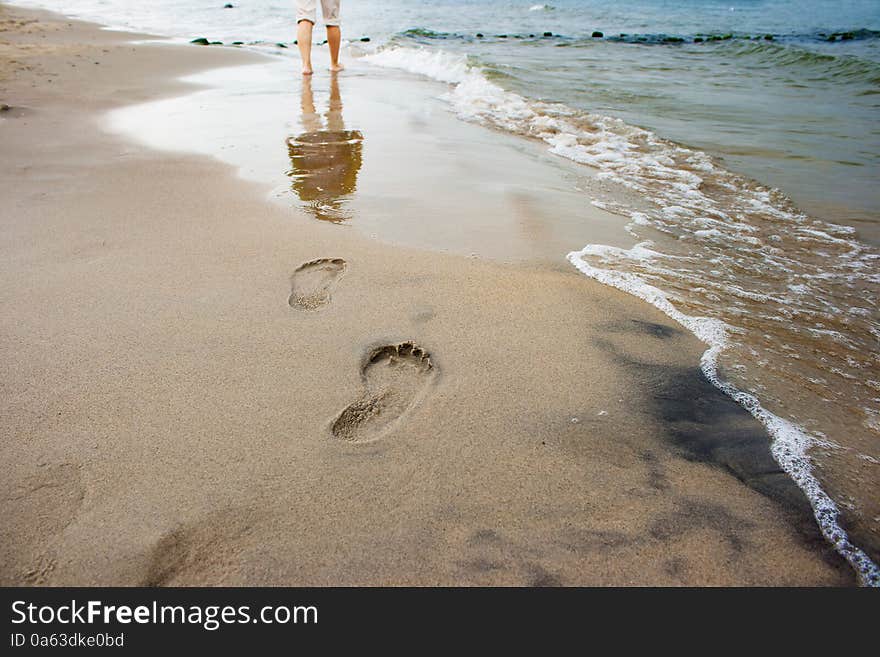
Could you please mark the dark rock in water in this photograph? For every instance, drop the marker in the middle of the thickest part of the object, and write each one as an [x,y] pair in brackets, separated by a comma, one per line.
[673,40]
[768,37]
[531,36]
[502,36]
[324,42]
[216,43]
[228,5]
[280,45]
[727,37]
[479,35]
[546,34]
[201,41]
[295,42]
[598,35]
[698,40]
[846,36]
[5,108]
[365,39]
[238,43]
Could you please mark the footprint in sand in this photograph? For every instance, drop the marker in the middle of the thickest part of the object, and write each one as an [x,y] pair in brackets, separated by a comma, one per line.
[396,378]
[211,551]
[36,507]
[311,283]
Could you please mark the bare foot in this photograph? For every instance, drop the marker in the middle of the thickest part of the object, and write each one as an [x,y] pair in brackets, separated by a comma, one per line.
[307,71]
[336,67]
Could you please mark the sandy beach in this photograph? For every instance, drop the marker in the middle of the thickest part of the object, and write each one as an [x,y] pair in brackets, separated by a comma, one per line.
[203,386]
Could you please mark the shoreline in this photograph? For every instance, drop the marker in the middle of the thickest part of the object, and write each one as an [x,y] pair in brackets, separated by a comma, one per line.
[127,316]
[511,201]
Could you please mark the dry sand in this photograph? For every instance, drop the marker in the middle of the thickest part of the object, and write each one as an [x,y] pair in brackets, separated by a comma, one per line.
[184,403]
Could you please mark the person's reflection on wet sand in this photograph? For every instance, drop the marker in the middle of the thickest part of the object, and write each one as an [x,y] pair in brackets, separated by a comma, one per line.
[325,162]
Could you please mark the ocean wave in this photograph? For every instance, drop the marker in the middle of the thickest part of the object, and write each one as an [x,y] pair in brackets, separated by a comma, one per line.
[735,262]
[817,65]
[426,35]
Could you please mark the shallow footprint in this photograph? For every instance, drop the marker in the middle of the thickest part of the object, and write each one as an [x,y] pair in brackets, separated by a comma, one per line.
[207,552]
[395,378]
[36,507]
[311,283]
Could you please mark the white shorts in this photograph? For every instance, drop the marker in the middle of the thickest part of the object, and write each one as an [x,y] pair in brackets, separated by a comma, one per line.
[306,10]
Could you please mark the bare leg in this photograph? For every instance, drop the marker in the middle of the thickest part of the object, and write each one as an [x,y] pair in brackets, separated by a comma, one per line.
[304,41]
[334,36]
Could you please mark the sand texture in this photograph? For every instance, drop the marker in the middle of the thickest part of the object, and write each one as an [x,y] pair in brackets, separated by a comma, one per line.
[199,386]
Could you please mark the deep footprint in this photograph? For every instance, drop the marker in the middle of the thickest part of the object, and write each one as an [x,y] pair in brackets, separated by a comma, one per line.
[395,378]
[312,282]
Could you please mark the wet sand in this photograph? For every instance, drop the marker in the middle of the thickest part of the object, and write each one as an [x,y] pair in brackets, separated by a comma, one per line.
[202,386]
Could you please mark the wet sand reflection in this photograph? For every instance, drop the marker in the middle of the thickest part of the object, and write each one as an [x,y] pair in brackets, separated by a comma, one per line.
[325,161]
